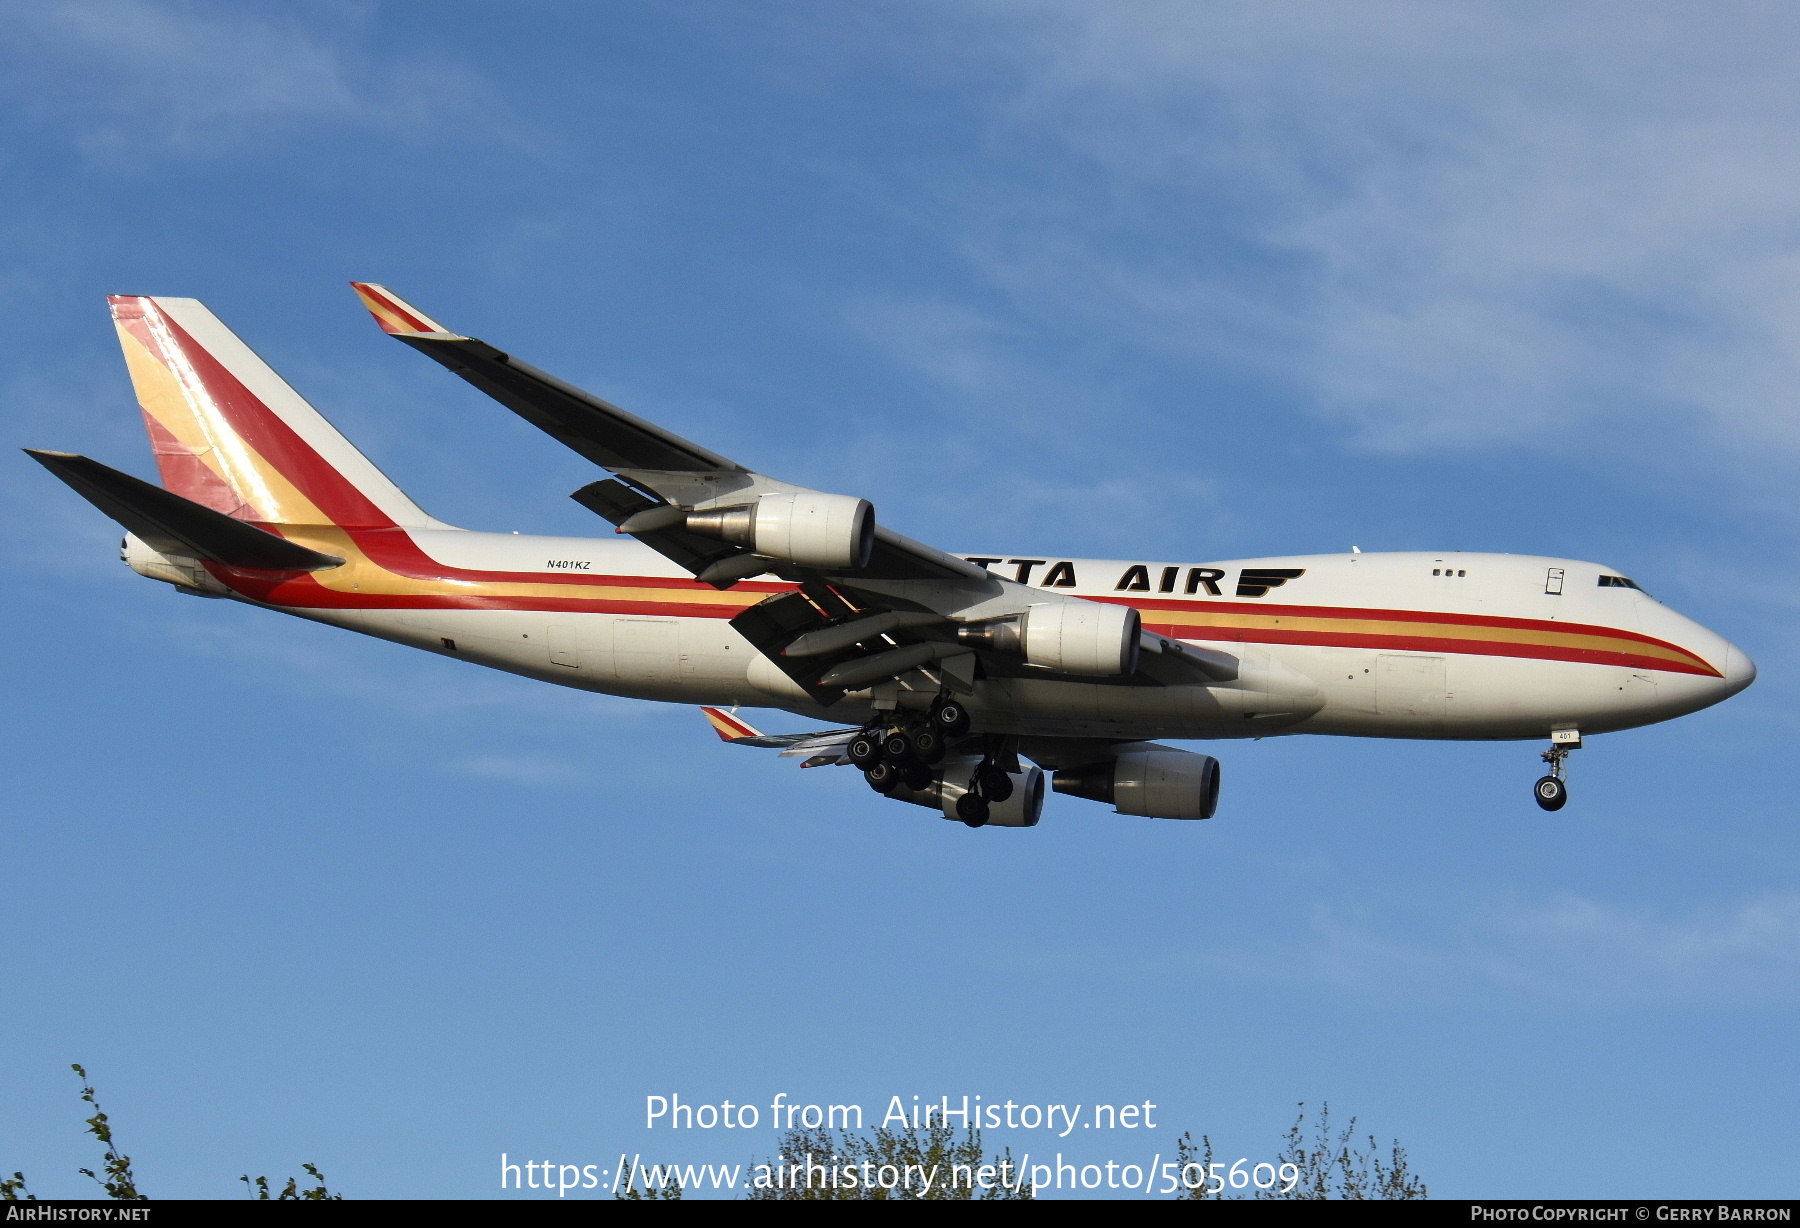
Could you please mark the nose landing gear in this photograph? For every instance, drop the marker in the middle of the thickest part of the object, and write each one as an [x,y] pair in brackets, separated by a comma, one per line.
[1551,792]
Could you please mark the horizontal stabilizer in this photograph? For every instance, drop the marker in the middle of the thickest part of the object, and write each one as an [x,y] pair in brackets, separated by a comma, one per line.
[728,727]
[168,522]
[820,746]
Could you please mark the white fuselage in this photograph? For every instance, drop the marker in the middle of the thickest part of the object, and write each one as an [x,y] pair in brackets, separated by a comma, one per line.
[1372,645]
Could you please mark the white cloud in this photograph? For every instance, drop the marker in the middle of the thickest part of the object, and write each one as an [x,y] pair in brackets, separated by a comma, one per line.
[1445,224]
[131,78]
[1566,949]
[1574,946]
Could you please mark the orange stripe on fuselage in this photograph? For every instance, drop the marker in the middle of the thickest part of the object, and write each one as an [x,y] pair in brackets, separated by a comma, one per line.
[1417,630]
[386,570]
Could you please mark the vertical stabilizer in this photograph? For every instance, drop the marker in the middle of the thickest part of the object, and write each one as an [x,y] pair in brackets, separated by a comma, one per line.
[230,434]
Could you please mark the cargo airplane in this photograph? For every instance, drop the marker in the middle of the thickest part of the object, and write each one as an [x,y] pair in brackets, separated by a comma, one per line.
[964,683]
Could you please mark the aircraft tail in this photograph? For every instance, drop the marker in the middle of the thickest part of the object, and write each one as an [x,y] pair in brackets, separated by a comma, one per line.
[231,435]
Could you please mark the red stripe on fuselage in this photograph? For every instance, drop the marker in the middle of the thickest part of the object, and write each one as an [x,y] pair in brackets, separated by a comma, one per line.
[302,591]
[1441,644]
[397,554]
[1148,608]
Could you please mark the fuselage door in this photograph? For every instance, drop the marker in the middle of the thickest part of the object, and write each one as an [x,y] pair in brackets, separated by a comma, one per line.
[564,648]
[646,649]
[1410,686]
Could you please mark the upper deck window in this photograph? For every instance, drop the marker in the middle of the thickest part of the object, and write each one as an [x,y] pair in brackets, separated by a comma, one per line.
[1618,582]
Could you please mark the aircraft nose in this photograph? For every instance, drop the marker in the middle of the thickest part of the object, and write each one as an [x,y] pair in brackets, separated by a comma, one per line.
[1740,670]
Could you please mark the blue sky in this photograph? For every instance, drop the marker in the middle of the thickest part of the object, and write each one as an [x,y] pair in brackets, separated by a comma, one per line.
[1143,279]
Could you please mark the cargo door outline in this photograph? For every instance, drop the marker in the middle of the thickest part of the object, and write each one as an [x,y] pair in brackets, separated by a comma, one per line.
[565,646]
[1410,686]
[646,649]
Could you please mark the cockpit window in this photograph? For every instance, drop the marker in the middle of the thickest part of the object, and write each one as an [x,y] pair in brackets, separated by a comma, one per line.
[1618,582]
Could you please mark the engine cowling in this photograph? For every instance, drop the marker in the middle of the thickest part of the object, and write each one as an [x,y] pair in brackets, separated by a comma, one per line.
[1083,637]
[1070,637]
[1156,782]
[1022,809]
[805,527]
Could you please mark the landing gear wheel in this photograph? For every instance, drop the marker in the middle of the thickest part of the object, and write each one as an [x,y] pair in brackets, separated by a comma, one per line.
[883,776]
[865,750]
[1550,791]
[897,745]
[928,745]
[995,784]
[972,809]
[950,718]
[916,776]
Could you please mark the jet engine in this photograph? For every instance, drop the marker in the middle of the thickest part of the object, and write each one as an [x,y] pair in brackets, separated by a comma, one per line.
[1070,637]
[1022,807]
[804,527]
[1157,782]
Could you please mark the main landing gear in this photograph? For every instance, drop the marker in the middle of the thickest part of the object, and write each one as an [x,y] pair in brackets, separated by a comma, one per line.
[1552,792]
[905,754]
[989,786]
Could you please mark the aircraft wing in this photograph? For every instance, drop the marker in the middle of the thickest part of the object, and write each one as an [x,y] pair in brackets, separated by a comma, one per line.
[650,458]
[871,605]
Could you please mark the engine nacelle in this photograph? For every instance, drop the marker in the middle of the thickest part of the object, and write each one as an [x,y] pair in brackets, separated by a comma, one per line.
[1022,809]
[805,527]
[1083,637]
[1070,637]
[1157,782]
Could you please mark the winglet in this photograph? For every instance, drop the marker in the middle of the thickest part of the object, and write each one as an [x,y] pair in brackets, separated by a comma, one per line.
[397,317]
[728,727]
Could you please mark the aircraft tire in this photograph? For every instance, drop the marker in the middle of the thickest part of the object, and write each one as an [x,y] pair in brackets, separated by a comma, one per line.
[1551,793]
[950,718]
[916,776]
[883,776]
[898,745]
[972,809]
[928,745]
[864,750]
[996,785]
